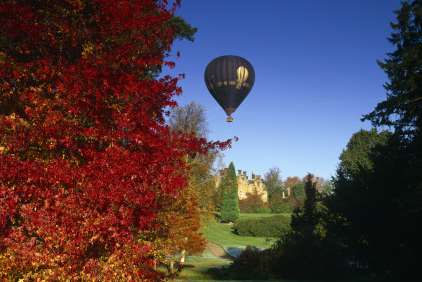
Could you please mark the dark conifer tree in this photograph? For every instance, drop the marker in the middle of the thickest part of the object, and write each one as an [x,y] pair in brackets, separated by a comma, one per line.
[385,216]
[403,106]
[230,201]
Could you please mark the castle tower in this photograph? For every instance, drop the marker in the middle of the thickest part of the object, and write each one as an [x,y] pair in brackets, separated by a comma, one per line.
[245,185]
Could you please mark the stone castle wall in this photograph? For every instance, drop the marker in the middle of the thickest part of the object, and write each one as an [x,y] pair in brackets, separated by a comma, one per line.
[247,186]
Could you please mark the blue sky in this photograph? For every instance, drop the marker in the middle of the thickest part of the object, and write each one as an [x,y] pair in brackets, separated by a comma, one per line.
[316,75]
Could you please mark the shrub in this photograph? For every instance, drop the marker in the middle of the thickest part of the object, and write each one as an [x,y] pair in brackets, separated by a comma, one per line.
[280,205]
[273,226]
[251,264]
[263,210]
[283,207]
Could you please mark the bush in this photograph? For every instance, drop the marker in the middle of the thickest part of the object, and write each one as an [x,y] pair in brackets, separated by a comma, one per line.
[282,206]
[279,204]
[263,210]
[273,226]
[251,264]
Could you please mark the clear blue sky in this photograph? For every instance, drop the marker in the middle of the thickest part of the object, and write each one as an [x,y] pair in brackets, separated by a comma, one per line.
[316,75]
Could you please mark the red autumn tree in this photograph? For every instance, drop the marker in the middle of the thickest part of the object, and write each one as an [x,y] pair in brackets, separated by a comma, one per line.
[84,150]
[178,232]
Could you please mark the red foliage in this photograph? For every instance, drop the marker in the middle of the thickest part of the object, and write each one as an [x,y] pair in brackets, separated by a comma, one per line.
[84,151]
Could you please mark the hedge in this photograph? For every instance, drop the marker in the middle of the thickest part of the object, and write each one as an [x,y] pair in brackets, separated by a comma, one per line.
[283,206]
[273,226]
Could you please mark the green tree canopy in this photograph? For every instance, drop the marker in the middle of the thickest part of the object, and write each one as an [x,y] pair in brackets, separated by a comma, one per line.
[355,156]
[230,202]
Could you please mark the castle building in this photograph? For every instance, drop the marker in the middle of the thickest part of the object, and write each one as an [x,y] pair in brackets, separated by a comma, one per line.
[247,186]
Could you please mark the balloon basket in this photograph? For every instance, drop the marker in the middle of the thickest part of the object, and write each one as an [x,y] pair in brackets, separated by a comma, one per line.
[229,119]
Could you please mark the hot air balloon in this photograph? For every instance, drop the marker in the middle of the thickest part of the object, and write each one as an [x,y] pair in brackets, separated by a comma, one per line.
[229,79]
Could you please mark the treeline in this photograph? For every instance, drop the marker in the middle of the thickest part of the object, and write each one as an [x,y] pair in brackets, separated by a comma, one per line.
[368,226]
[283,196]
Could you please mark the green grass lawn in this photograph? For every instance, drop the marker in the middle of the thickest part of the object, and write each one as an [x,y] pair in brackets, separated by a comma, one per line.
[259,215]
[221,234]
[201,269]
[198,268]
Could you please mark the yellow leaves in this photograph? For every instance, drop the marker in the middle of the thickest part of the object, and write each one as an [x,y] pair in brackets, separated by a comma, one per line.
[94,238]
[15,121]
[51,143]
[77,4]
[87,49]
[2,57]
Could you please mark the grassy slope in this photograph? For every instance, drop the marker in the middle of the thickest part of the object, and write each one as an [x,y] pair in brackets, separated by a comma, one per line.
[221,234]
[259,215]
[198,268]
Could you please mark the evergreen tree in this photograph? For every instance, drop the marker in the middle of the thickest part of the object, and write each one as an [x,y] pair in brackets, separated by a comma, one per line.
[356,156]
[304,220]
[402,108]
[230,201]
[378,185]
[378,188]
[396,179]
[305,253]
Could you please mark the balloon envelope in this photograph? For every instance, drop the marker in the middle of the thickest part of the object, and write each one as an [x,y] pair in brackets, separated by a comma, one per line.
[229,79]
